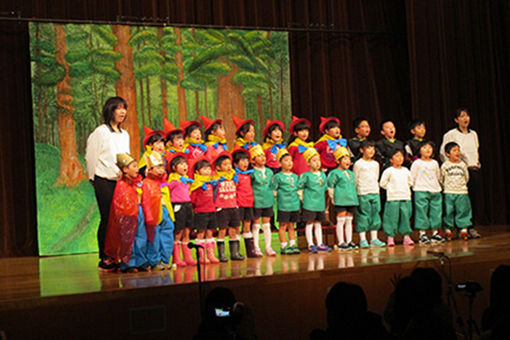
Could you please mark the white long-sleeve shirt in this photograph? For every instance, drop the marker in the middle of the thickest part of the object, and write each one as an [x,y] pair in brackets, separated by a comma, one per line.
[426,175]
[366,174]
[103,145]
[397,183]
[468,143]
[454,177]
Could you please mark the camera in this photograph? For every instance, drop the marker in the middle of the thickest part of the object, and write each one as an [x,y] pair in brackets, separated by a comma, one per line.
[470,287]
[222,312]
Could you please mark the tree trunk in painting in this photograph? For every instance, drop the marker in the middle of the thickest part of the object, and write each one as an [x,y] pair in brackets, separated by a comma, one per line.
[125,86]
[39,86]
[142,102]
[271,113]
[206,110]
[230,100]
[149,118]
[71,170]
[164,94]
[260,110]
[197,102]
[282,114]
[181,92]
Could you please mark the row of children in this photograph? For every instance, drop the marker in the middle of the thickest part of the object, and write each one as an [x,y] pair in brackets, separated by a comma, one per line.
[208,188]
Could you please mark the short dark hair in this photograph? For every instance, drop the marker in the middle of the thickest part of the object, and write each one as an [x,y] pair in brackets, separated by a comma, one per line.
[299,127]
[109,107]
[357,121]
[427,142]
[155,138]
[415,122]
[449,146]
[212,128]
[386,121]
[220,160]
[244,129]
[203,163]
[331,124]
[271,128]
[367,143]
[173,135]
[176,161]
[459,111]
[239,155]
[394,151]
[190,129]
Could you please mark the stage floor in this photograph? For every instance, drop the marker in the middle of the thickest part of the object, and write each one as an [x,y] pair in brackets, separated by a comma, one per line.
[39,277]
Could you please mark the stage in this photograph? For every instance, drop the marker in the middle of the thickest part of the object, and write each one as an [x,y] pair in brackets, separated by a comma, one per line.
[66,296]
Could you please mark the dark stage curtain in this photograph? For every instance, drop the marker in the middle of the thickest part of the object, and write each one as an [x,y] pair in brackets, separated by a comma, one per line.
[367,71]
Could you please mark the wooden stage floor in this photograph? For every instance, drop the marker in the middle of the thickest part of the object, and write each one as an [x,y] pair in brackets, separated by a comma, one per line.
[42,282]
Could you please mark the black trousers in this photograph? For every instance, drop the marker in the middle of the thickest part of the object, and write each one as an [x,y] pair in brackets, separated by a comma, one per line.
[103,189]
[473,186]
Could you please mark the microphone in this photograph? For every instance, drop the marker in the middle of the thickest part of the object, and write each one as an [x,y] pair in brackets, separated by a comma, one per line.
[435,253]
[194,245]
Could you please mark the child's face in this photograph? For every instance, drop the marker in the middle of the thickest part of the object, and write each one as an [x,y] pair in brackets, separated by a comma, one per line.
[196,134]
[181,168]
[158,146]
[302,134]
[205,171]
[426,151]
[419,131]
[368,152]
[454,154]
[388,130]
[463,120]
[119,114]
[259,161]
[276,135]
[363,129]
[397,159]
[177,142]
[219,132]
[157,170]
[315,163]
[250,134]
[345,162]
[225,166]
[333,132]
[131,170]
[286,163]
[243,164]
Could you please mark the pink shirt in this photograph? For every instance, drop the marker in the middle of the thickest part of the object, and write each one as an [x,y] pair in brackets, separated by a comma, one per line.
[179,192]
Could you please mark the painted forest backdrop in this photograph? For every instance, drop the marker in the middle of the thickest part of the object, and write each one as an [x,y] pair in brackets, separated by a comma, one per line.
[162,72]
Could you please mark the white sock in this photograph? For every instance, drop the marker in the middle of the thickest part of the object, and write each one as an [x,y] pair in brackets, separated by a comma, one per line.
[348,229]
[237,237]
[340,221]
[219,240]
[373,235]
[435,232]
[318,233]
[422,232]
[247,235]
[309,234]
[256,234]
[284,244]
[209,240]
[463,230]
[292,243]
[447,230]
[266,227]
[362,236]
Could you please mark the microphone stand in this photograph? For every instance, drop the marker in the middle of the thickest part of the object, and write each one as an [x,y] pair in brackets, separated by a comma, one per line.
[200,297]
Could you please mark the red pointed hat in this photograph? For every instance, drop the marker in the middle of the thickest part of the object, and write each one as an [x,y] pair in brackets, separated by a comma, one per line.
[269,123]
[185,124]
[149,133]
[194,161]
[223,153]
[209,122]
[172,155]
[325,120]
[296,120]
[238,122]
[169,127]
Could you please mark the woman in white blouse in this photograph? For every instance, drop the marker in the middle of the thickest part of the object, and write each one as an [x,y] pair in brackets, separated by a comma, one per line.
[103,145]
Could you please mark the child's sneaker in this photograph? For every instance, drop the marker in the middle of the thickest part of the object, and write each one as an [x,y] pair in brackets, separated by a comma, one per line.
[258,252]
[343,246]
[408,241]
[107,265]
[391,242]
[464,235]
[312,249]
[377,243]
[160,266]
[294,250]
[353,245]
[130,270]
[423,239]
[364,244]
[448,235]
[270,252]
[436,238]
[286,250]
[144,267]
[473,233]
[323,247]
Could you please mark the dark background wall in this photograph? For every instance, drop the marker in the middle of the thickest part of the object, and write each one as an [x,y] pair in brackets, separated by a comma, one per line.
[376,58]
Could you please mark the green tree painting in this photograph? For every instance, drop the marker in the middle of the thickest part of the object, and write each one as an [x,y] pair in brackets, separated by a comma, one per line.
[163,73]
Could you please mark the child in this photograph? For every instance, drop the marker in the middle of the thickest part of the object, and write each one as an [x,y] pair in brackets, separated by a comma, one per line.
[202,199]
[245,132]
[158,213]
[386,146]
[273,142]
[126,238]
[412,147]
[174,143]
[396,180]
[312,186]
[154,140]
[215,137]
[467,139]
[454,178]
[227,211]
[366,173]
[244,196]
[425,175]
[298,143]
[179,185]
[342,190]
[329,142]
[285,186]
[263,198]
[362,131]
[193,139]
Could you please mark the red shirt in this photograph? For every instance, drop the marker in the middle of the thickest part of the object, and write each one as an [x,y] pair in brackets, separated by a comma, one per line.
[300,166]
[203,200]
[244,191]
[226,195]
[328,160]
[271,161]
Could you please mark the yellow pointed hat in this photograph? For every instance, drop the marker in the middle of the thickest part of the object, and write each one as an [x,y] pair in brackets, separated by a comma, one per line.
[256,150]
[281,152]
[154,159]
[309,153]
[340,152]
[124,159]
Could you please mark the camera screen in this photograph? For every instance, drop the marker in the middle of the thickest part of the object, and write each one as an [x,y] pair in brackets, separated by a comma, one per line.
[222,312]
